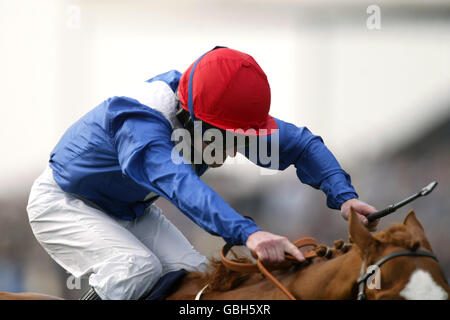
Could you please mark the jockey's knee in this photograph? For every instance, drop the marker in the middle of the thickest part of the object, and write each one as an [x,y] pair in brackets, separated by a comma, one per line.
[127,277]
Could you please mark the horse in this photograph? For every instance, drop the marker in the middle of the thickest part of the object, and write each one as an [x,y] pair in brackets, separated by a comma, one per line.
[409,270]
[26,296]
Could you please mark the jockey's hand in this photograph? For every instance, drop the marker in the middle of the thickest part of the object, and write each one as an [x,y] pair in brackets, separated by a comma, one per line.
[362,209]
[270,248]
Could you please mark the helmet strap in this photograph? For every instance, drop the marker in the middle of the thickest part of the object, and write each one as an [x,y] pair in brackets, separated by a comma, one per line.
[191,77]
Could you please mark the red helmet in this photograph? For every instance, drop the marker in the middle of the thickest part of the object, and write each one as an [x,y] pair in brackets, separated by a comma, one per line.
[228,90]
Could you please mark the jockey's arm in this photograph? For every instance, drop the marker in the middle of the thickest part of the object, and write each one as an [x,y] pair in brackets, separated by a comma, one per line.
[143,142]
[317,167]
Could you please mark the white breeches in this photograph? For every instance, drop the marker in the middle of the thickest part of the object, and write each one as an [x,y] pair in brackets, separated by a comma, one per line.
[123,259]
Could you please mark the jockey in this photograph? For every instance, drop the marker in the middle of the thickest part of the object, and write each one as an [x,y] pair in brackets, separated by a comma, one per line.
[93,211]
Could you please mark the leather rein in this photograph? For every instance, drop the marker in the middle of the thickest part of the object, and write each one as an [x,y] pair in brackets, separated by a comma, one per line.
[259,266]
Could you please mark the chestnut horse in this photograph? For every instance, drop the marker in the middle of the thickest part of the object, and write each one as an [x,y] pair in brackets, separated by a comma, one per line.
[332,275]
[335,275]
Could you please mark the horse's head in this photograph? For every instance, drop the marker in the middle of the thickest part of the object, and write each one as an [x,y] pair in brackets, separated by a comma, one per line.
[402,277]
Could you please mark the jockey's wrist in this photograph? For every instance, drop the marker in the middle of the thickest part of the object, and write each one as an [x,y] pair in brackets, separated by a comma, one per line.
[346,203]
[246,232]
[343,198]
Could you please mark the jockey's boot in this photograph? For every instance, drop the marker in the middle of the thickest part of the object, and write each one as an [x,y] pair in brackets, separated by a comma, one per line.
[90,295]
[166,285]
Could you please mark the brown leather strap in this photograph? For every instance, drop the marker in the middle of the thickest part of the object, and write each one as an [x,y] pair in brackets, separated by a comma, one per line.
[274,280]
[304,242]
[259,267]
[235,265]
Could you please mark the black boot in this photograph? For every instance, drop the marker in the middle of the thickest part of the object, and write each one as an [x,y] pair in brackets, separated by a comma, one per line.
[166,285]
[90,295]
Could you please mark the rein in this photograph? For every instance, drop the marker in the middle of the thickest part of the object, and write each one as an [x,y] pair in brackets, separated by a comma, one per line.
[259,266]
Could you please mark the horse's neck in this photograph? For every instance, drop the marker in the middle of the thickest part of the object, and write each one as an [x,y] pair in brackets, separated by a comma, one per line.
[330,279]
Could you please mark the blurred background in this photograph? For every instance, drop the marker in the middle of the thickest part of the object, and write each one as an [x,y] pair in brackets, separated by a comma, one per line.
[371,78]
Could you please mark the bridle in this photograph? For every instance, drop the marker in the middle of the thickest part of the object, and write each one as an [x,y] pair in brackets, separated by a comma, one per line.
[390,209]
[364,275]
[360,282]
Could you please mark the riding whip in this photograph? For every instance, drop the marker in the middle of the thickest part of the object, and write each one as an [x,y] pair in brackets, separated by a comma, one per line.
[393,207]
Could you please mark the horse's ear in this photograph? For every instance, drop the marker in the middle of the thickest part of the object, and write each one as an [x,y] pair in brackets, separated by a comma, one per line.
[359,234]
[415,229]
[411,222]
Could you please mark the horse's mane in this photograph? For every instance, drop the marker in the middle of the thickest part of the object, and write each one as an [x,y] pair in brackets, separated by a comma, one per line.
[398,235]
[220,278]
